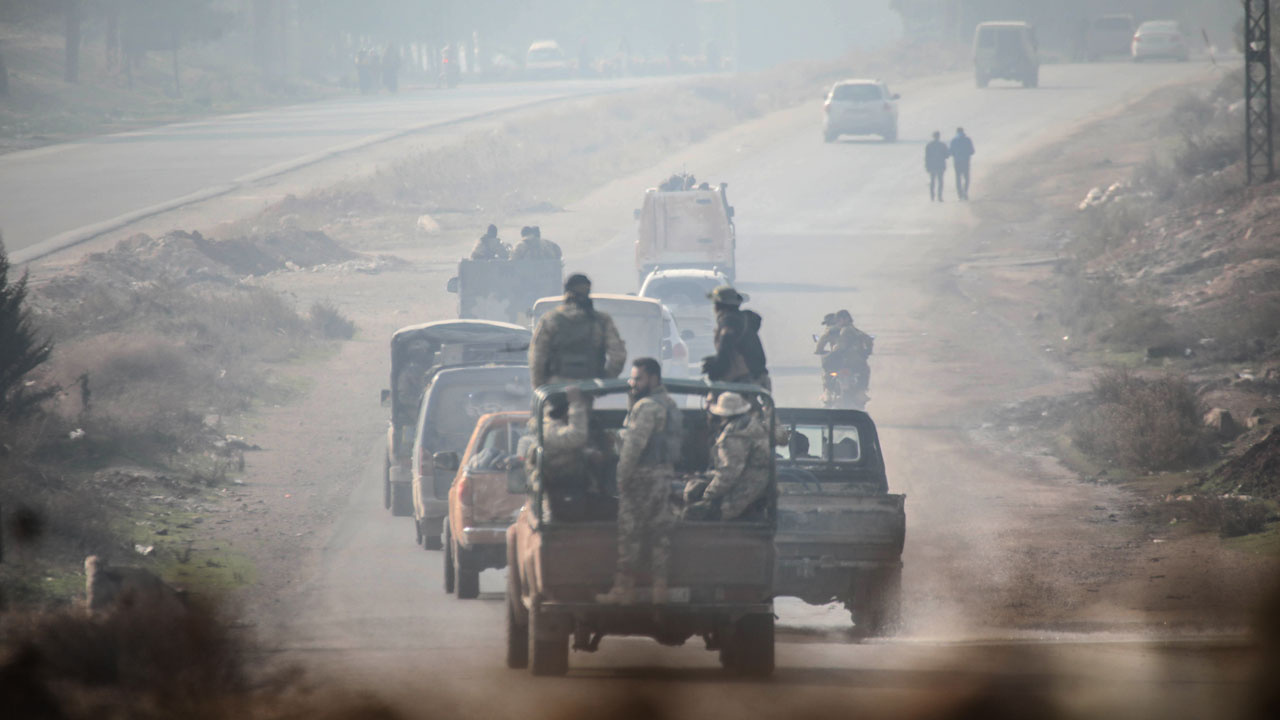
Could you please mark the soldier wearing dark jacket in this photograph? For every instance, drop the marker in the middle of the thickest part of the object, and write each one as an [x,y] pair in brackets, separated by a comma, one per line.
[935,163]
[739,353]
[961,151]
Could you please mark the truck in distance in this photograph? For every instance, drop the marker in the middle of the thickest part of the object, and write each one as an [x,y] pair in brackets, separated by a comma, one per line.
[686,229]
[417,353]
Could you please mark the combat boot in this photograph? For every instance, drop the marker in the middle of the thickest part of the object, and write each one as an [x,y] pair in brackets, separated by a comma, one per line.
[623,591]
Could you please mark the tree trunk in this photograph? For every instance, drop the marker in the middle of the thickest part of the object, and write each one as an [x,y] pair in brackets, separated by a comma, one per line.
[4,78]
[111,43]
[72,12]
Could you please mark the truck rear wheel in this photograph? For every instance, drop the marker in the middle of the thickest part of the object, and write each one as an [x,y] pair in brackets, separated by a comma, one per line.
[401,499]
[517,631]
[752,646]
[450,573]
[548,646]
[876,605]
[466,574]
[386,482]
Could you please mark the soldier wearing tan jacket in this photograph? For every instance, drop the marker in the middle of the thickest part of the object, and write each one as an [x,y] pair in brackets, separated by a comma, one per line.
[651,442]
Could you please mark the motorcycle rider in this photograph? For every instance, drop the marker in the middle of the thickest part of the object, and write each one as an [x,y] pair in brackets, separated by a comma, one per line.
[849,347]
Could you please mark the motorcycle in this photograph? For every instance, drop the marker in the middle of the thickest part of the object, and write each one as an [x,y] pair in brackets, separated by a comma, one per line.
[843,388]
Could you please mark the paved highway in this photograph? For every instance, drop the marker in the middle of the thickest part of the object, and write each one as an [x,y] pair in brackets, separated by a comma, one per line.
[820,227]
[53,196]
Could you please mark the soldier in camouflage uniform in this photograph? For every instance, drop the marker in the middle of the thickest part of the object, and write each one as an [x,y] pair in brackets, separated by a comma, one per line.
[740,472]
[574,341]
[533,247]
[490,247]
[651,443]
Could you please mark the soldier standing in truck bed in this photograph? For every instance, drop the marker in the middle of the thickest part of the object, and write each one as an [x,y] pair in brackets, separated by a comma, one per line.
[651,442]
[575,341]
[490,246]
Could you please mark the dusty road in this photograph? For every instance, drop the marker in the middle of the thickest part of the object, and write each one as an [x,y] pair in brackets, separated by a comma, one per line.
[1013,571]
[53,195]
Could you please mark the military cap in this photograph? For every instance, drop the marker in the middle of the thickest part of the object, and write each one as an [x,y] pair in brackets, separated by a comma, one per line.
[726,295]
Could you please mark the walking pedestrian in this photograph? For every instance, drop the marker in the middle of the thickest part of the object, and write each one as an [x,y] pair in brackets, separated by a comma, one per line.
[961,151]
[935,162]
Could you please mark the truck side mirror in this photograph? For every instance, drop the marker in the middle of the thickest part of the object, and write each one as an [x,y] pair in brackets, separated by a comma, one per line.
[386,397]
[686,335]
[453,285]
[730,211]
[517,480]
[445,461]
[896,96]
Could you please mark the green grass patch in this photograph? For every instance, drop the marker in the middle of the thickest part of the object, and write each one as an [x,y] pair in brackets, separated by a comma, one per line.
[1265,543]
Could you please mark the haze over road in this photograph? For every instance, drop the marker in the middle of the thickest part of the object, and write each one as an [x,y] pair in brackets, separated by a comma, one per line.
[70,188]
[820,227]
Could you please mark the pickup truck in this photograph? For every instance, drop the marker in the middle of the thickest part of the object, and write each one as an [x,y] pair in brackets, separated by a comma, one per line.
[480,507]
[720,576]
[453,403]
[418,352]
[840,531]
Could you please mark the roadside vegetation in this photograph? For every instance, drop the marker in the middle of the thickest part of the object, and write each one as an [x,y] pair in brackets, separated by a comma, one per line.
[121,387]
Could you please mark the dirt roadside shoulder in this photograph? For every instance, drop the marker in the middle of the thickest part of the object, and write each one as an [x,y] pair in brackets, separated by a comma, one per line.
[1175,570]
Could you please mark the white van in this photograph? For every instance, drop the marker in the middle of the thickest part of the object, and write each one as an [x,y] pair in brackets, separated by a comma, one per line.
[1006,51]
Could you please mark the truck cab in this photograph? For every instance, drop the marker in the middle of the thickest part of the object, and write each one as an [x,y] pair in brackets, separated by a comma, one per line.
[720,575]
[840,532]
[686,229]
[480,507]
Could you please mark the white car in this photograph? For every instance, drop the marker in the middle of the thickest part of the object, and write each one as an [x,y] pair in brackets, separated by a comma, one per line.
[675,352]
[684,291]
[1159,39]
[860,107]
[545,59]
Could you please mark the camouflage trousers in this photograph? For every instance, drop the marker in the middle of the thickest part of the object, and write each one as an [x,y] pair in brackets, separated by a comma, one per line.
[645,521]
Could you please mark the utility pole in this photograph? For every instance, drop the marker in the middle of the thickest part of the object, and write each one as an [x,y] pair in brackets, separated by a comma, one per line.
[1259,160]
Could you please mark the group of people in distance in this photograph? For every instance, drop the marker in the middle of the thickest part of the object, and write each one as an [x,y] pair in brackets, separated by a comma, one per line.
[532,246]
[576,342]
[960,150]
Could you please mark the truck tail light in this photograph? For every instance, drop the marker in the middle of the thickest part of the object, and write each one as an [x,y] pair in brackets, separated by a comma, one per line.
[887,107]
[680,352]
[466,493]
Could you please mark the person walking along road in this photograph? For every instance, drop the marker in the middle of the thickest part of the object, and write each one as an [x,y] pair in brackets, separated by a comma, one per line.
[935,162]
[961,151]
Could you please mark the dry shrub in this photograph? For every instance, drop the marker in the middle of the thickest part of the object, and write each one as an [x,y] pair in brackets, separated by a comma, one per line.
[328,322]
[1230,516]
[1147,424]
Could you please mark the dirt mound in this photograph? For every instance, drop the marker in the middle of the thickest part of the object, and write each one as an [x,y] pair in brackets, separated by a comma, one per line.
[185,257]
[1256,472]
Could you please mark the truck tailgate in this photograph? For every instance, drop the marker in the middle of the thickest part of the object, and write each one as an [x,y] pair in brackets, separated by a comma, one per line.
[717,562]
[841,528]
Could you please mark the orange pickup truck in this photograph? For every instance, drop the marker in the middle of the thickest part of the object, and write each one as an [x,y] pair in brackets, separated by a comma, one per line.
[480,505]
